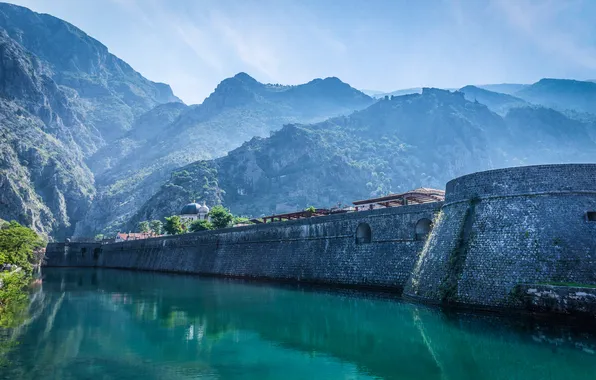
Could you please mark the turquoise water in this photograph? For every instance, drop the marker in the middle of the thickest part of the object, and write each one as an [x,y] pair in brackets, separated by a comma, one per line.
[108,324]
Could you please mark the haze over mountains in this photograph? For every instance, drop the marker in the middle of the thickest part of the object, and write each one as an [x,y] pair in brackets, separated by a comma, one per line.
[89,145]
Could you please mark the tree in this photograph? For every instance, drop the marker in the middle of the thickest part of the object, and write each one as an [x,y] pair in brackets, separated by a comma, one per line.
[311,209]
[156,226]
[200,225]
[98,237]
[220,217]
[18,245]
[144,226]
[173,225]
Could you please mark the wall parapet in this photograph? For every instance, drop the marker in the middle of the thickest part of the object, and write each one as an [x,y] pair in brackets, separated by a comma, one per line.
[524,180]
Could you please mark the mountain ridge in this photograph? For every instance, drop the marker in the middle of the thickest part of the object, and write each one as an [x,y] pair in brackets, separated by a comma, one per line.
[393,145]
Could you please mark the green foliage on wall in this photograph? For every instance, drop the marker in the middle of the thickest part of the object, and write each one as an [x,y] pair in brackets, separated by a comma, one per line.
[156,227]
[173,225]
[144,226]
[201,225]
[221,217]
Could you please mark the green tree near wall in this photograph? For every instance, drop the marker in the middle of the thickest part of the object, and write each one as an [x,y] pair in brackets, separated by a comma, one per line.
[311,209]
[156,226]
[144,226]
[220,216]
[21,247]
[200,225]
[18,245]
[99,237]
[173,225]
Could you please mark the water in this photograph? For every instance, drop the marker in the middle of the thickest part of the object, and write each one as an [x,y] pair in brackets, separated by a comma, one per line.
[108,324]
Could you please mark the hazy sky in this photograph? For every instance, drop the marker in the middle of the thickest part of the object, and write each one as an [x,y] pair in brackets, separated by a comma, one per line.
[371,44]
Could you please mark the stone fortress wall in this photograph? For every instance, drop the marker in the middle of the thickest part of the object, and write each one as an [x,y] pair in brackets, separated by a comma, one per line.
[503,228]
[322,249]
[500,237]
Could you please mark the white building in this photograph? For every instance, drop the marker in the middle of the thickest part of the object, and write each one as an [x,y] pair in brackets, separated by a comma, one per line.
[194,211]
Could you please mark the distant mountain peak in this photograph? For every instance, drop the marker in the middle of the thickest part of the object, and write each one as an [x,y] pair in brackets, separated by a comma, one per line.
[434,90]
[244,77]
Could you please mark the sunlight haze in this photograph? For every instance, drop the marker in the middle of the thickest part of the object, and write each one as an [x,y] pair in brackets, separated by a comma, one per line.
[374,45]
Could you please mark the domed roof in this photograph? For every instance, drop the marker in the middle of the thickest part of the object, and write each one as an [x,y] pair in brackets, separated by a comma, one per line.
[204,209]
[194,208]
[190,209]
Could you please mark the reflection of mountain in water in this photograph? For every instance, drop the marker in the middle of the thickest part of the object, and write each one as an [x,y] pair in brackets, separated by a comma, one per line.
[148,325]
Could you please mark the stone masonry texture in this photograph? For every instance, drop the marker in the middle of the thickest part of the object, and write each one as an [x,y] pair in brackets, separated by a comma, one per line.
[314,250]
[508,227]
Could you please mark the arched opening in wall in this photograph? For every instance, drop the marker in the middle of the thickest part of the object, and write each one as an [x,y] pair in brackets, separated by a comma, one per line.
[363,234]
[96,252]
[423,228]
[83,251]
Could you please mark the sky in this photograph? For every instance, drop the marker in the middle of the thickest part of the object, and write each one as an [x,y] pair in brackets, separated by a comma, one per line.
[193,45]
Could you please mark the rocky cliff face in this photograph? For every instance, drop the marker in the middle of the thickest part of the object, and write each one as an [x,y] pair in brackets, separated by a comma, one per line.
[62,97]
[392,146]
[109,92]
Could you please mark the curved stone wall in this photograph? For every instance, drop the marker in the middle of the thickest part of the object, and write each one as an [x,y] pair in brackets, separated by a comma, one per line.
[502,228]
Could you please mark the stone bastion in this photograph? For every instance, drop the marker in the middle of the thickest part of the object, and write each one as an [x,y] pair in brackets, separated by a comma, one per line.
[500,238]
[502,230]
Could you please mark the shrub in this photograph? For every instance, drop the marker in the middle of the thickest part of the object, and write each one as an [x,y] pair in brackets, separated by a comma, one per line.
[201,225]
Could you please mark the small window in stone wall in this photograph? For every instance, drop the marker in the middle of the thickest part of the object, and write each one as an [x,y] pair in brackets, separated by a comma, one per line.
[591,216]
[363,234]
[423,228]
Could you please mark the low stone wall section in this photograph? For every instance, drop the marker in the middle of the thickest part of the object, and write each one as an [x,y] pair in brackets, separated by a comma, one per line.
[559,299]
[313,250]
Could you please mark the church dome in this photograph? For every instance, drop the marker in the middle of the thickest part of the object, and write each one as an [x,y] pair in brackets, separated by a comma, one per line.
[190,209]
[204,209]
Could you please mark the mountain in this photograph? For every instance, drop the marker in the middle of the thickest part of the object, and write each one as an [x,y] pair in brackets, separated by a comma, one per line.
[503,88]
[392,146]
[108,91]
[497,102]
[561,94]
[44,182]
[405,91]
[239,109]
[63,97]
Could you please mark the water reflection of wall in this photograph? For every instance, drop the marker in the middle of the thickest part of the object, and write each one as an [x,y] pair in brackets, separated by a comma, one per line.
[184,320]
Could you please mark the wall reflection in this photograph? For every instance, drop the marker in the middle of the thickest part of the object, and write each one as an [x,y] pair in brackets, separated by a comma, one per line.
[147,325]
